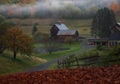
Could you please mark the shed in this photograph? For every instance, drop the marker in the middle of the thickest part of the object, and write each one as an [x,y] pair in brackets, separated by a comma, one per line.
[98,41]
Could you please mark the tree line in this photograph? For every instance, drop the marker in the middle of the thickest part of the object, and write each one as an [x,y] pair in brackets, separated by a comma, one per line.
[67,12]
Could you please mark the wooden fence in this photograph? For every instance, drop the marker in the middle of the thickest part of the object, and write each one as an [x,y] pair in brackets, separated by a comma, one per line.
[79,62]
[67,63]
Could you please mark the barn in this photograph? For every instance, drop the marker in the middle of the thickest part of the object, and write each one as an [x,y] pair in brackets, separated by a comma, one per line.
[67,35]
[61,32]
[57,27]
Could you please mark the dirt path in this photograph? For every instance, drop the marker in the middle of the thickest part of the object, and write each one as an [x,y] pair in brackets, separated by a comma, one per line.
[45,66]
[39,59]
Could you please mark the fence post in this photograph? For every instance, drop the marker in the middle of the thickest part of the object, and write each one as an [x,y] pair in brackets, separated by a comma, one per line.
[67,63]
[59,63]
[63,63]
[77,61]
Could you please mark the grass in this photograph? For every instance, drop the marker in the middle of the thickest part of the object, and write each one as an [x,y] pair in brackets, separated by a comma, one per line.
[105,53]
[23,62]
[53,67]
[82,25]
[74,47]
[9,65]
[37,45]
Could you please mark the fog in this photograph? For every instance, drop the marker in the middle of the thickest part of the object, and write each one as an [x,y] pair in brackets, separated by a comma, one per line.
[53,5]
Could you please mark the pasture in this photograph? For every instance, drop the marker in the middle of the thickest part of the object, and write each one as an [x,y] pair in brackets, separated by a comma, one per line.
[8,65]
[82,25]
[73,48]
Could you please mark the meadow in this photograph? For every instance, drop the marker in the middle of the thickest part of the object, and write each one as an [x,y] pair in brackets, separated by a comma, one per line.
[72,49]
[11,66]
[82,25]
[24,62]
[8,65]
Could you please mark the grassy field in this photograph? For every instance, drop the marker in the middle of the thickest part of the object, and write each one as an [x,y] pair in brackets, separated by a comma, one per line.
[23,62]
[83,26]
[74,47]
[9,65]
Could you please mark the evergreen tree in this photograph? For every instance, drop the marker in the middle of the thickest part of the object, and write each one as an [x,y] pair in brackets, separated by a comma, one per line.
[103,22]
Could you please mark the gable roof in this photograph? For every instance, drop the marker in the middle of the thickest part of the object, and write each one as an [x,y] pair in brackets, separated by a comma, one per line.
[115,35]
[118,26]
[66,32]
[61,26]
[118,23]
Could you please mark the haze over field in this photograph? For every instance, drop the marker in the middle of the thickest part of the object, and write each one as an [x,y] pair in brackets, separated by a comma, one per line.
[17,7]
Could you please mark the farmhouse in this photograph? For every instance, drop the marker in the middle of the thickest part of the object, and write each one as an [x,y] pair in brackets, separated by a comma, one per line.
[97,41]
[112,40]
[62,33]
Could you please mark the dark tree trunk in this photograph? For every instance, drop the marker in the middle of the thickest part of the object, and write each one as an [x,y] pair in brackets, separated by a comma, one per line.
[2,49]
[50,52]
[14,54]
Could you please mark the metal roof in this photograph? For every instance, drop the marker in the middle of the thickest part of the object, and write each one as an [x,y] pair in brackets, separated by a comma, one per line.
[118,26]
[61,26]
[66,32]
[118,23]
[115,35]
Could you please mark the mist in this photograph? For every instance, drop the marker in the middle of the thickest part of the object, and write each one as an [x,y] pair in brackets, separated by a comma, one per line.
[54,6]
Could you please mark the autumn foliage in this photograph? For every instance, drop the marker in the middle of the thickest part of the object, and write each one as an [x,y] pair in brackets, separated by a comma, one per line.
[115,7]
[17,41]
[89,75]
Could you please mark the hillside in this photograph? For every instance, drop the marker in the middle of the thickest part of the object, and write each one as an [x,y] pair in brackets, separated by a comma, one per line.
[89,75]
[9,65]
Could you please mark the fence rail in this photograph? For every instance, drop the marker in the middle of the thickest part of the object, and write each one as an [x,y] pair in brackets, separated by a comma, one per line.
[67,63]
[86,61]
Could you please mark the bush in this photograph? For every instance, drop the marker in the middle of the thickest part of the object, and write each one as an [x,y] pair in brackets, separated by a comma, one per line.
[100,48]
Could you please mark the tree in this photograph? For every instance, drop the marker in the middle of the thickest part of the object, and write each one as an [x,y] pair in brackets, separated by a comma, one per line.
[2,19]
[40,37]
[34,29]
[17,41]
[3,31]
[103,22]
